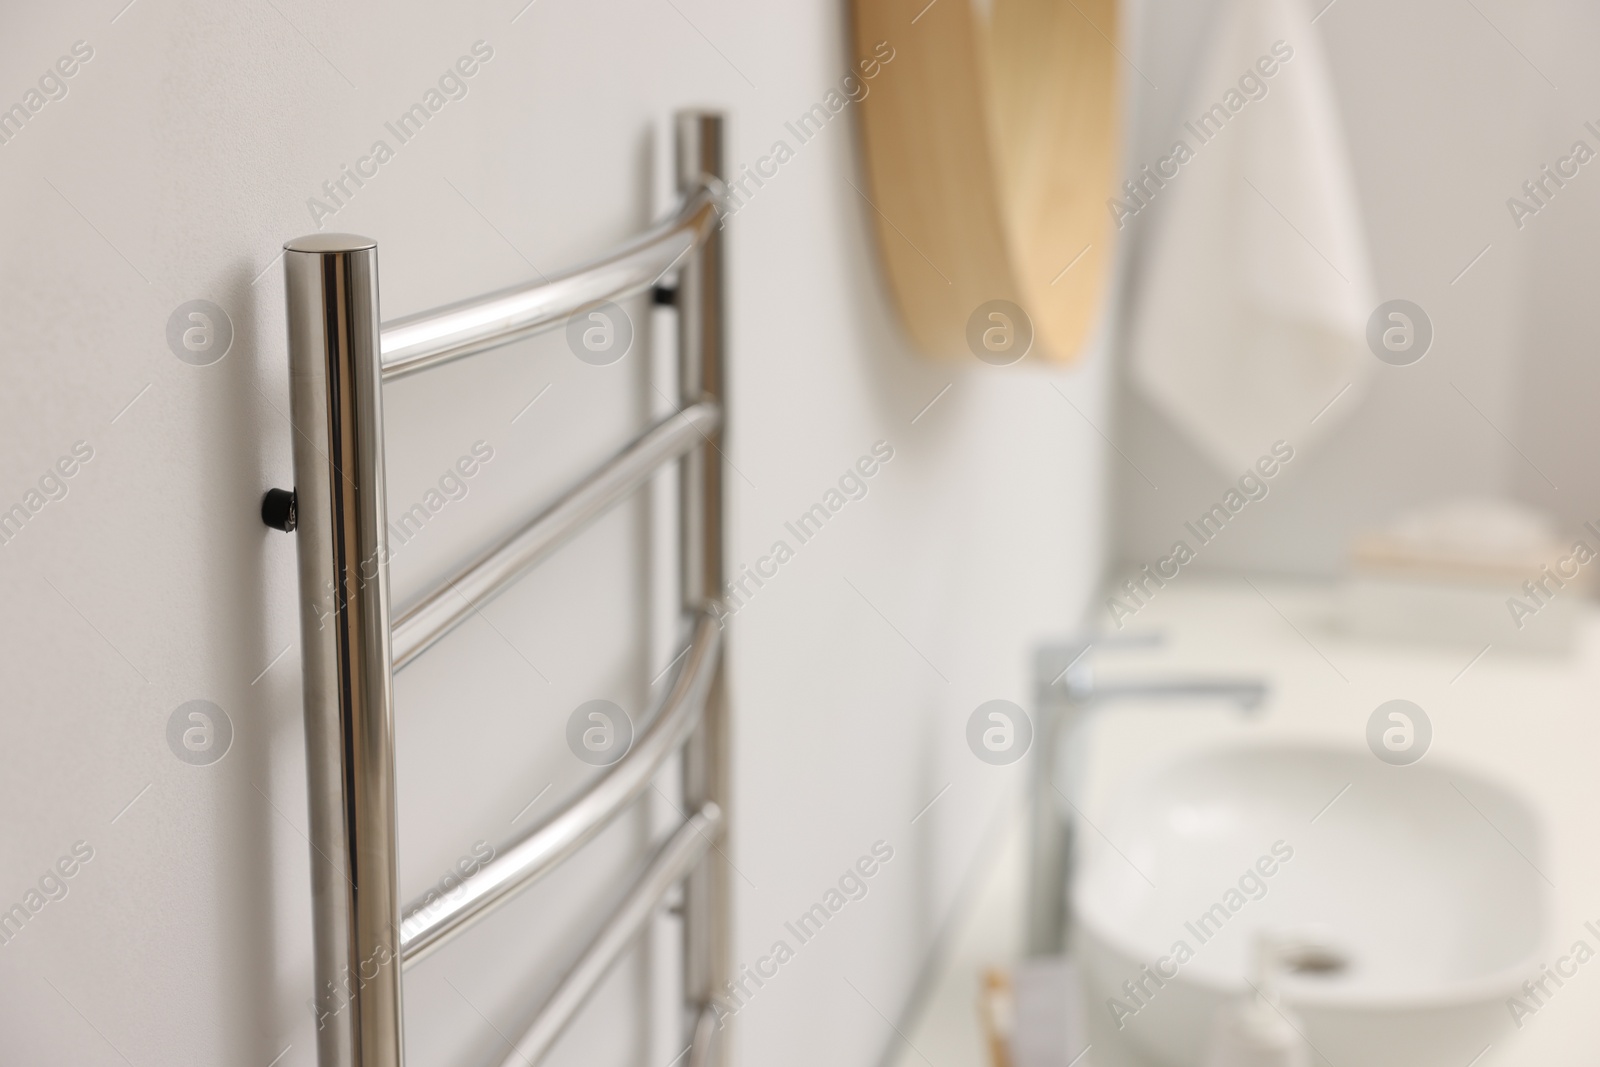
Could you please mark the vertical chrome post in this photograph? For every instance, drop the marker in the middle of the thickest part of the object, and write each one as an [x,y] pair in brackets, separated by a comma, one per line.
[701,353]
[337,410]
[1049,835]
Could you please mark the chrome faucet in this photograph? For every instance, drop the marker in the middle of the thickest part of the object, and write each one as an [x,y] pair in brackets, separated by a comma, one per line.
[1065,690]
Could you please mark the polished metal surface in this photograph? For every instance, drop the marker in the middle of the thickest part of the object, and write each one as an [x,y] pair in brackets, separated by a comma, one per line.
[440,611]
[1066,690]
[340,358]
[336,399]
[427,925]
[675,858]
[417,342]
[702,341]
[705,1041]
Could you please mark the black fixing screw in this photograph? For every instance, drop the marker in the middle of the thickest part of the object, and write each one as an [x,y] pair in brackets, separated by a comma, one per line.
[664,295]
[278,510]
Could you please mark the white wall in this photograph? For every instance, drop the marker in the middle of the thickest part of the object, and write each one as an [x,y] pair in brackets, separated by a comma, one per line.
[180,159]
[1447,111]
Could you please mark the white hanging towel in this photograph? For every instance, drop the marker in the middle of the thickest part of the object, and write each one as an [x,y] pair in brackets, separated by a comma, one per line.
[1251,316]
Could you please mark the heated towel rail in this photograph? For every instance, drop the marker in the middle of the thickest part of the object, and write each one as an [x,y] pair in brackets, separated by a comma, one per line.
[339,358]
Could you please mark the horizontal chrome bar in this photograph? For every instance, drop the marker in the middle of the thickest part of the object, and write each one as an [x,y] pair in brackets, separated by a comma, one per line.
[429,338]
[425,925]
[670,864]
[436,614]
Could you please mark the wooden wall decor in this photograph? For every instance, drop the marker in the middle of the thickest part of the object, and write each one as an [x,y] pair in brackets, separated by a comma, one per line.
[990,150]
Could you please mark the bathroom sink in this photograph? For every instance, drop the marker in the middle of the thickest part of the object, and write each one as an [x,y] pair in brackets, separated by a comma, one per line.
[1421,886]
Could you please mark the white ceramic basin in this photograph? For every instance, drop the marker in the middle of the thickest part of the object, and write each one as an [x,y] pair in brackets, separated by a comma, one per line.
[1424,878]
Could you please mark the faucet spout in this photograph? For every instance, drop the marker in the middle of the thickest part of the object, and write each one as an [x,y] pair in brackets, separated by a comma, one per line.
[1067,690]
[1247,694]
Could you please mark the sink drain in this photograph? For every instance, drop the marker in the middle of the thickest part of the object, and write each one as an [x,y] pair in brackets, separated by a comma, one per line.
[1310,959]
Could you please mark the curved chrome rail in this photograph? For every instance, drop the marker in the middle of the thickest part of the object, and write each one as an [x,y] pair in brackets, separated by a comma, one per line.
[436,614]
[673,860]
[425,926]
[416,342]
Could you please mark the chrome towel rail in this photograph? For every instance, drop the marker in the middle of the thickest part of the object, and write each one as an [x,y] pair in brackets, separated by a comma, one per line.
[480,323]
[339,359]
[675,859]
[440,611]
[427,925]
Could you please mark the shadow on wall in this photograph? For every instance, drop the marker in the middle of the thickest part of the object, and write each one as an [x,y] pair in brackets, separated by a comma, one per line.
[265,712]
